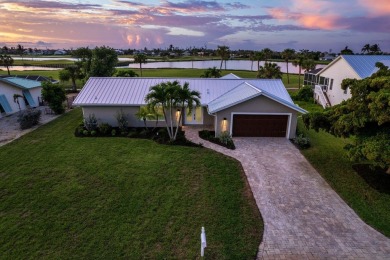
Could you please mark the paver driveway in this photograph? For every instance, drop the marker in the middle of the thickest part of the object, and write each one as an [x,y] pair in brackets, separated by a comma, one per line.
[303,217]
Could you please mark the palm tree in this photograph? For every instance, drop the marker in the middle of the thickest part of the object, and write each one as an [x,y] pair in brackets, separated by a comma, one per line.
[6,61]
[20,50]
[346,51]
[72,73]
[211,73]
[269,71]
[140,58]
[287,55]
[144,114]
[300,59]
[252,58]
[366,48]
[171,96]
[259,56]
[375,49]
[308,64]
[267,53]
[186,98]
[224,52]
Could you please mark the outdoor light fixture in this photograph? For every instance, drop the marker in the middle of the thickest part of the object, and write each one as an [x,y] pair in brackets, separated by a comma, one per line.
[224,124]
[224,119]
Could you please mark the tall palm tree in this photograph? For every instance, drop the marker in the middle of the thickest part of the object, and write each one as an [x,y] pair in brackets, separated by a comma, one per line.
[6,61]
[299,60]
[308,64]
[267,54]
[20,50]
[72,73]
[259,56]
[287,55]
[224,52]
[252,58]
[140,58]
[269,71]
[186,98]
[366,48]
[375,49]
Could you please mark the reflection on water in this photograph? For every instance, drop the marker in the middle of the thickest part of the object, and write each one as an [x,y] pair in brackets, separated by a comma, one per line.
[230,65]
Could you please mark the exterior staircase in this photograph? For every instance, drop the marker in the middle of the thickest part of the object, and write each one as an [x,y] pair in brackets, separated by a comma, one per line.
[321,96]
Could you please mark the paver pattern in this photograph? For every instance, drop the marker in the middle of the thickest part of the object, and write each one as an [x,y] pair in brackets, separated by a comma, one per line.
[304,217]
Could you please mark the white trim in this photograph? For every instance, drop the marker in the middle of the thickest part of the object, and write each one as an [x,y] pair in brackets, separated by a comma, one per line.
[249,113]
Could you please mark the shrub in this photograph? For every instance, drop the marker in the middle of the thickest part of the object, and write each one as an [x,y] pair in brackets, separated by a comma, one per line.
[122,121]
[93,132]
[226,139]
[54,95]
[105,128]
[28,118]
[91,122]
[113,132]
[85,132]
[301,141]
[304,94]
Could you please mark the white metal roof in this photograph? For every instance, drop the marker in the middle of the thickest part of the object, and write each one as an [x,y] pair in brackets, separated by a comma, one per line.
[230,76]
[117,91]
[363,65]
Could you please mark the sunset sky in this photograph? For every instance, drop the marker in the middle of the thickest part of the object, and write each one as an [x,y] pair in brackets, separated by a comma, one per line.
[248,24]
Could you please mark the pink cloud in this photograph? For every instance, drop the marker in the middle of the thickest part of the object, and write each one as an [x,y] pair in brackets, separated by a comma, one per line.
[376,7]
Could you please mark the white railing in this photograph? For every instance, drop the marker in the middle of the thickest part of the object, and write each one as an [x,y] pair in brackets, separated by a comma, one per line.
[321,96]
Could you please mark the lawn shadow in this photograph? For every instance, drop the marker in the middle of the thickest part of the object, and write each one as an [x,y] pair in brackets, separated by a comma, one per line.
[377,178]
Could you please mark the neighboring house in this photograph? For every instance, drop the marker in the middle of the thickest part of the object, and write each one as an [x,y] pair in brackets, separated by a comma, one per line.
[29,90]
[243,107]
[310,78]
[328,90]
[60,52]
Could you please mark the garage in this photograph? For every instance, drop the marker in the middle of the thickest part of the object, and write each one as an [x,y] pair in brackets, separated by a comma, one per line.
[260,125]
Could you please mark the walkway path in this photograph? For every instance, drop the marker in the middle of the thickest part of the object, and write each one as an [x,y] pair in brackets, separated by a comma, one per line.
[303,217]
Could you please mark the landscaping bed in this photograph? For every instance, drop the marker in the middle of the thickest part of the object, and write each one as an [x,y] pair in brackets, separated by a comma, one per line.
[224,140]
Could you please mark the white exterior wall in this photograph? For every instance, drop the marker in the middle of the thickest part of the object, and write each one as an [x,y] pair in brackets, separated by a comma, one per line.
[36,93]
[9,92]
[338,71]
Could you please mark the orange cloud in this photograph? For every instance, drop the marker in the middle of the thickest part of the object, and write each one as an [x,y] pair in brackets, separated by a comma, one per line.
[319,22]
[376,7]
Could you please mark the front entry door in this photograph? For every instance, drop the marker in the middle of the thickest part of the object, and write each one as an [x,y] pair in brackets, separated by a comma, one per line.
[195,117]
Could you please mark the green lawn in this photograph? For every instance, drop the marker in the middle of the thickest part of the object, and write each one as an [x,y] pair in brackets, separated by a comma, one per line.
[105,198]
[329,158]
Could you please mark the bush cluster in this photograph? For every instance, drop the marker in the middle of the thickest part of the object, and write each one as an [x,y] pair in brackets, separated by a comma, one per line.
[306,93]
[301,141]
[224,139]
[28,118]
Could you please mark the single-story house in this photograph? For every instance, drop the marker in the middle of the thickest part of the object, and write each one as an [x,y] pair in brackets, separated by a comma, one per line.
[328,90]
[243,107]
[28,90]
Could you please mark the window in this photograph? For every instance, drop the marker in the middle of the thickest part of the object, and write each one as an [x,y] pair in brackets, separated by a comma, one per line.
[159,111]
[331,84]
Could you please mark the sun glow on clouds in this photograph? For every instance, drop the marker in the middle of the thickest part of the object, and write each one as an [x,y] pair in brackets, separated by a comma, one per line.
[377,7]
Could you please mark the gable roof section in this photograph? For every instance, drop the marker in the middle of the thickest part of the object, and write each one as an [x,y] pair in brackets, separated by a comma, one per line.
[132,91]
[363,65]
[246,91]
[230,76]
[21,83]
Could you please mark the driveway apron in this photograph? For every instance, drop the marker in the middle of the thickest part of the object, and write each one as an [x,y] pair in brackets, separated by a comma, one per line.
[304,218]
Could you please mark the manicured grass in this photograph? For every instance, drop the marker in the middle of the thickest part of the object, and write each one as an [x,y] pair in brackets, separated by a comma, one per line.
[329,158]
[106,198]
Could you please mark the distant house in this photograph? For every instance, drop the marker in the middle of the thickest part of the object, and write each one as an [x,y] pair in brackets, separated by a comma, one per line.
[243,107]
[60,52]
[328,90]
[18,94]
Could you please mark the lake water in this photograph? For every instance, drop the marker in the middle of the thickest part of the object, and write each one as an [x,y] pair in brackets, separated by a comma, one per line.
[22,68]
[230,65]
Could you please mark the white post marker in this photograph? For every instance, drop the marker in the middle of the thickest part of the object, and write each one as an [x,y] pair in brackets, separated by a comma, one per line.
[203,243]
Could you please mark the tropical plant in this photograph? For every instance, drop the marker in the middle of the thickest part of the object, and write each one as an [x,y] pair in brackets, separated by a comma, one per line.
[16,99]
[84,54]
[375,49]
[122,121]
[126,73]
[224,52]
[28,118]
[269,71]
[6,61]
[308,64]
[346,51]
[172,98]
[365,118]
[144,114]
[140,58]
[72,73]
[20,50]
[287,55]
[267,54]
[54,95]
[258,56]
[366,48]
[90,122]
[211,73]
[299,60]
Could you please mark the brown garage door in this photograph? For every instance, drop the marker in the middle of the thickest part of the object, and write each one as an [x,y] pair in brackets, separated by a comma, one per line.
[260,125]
